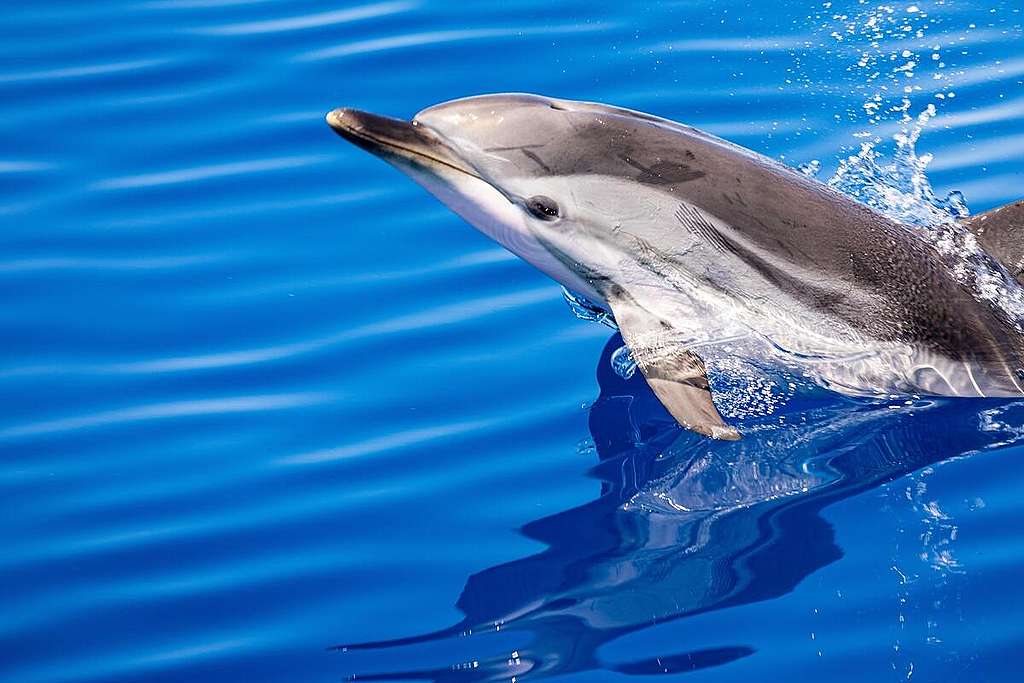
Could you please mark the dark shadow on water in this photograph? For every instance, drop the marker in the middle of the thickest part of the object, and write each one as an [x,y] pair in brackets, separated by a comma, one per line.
[685,525]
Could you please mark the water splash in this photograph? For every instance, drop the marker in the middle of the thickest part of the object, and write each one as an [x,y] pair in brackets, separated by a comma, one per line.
[893,53]
[1005,420]
[889,52]
[623,363]
[584,309]
[900,190]
[898,53]
[810,169]
[743,389]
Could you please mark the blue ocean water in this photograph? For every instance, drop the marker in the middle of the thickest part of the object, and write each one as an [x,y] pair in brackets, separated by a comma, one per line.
[261,395]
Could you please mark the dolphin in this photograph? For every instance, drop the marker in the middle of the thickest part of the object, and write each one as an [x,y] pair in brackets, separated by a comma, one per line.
[701,249]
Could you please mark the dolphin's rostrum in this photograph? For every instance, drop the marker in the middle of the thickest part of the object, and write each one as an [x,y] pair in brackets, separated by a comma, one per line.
[689,240]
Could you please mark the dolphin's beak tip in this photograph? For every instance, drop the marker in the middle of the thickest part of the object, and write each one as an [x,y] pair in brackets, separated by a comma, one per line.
[336,118]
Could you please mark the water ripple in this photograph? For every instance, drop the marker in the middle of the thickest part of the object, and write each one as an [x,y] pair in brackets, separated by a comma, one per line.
[173,409]
[439,37]
[24,166]
[68,263]
[153,661]
[202,4]
[188,175]
[389,442]
[177,218]
[443,315]
[993,113]
[984,153]
[734,45]
[331,18]
[81,71]
[452,267]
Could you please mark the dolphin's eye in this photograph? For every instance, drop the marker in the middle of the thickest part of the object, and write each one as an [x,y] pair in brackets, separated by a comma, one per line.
[542,207]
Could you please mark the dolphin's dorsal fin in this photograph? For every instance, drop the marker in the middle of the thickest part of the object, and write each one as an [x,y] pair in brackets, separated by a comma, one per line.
[1001,233]
[674,372]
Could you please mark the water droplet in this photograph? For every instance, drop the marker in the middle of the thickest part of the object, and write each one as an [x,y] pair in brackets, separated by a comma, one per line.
[584,309]
[622,362]
[811,168]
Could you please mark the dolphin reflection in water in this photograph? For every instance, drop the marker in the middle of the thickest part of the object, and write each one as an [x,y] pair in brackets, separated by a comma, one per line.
[741,524]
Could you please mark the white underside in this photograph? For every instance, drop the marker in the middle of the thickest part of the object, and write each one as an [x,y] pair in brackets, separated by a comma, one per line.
[490,212]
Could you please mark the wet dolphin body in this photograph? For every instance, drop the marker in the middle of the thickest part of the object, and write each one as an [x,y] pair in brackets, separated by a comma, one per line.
[689,240]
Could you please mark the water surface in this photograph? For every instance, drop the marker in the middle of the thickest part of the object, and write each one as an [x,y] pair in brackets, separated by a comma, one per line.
[262,395]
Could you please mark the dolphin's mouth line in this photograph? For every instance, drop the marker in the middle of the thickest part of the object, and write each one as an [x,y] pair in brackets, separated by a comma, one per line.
[413,154]
[357,127]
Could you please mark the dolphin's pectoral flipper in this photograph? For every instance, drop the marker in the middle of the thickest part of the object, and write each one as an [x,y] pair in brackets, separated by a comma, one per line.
[1001,233]
[674,372]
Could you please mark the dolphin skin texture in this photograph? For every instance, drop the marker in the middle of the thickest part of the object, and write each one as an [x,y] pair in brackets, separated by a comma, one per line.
[688,240]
